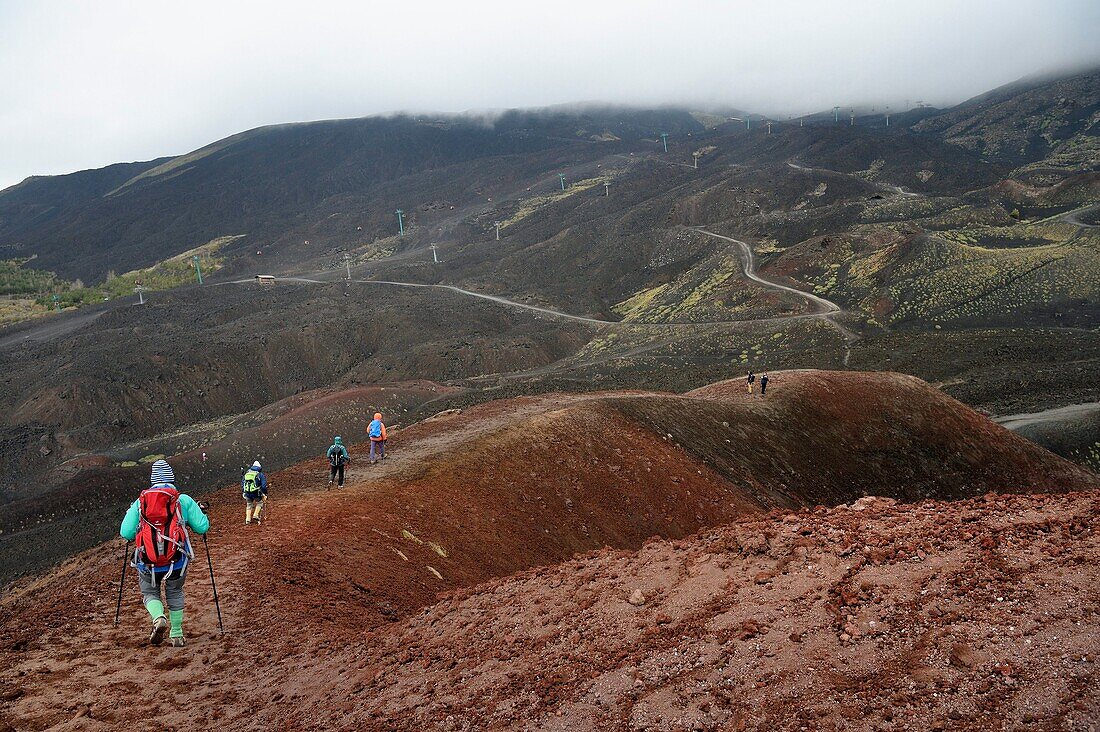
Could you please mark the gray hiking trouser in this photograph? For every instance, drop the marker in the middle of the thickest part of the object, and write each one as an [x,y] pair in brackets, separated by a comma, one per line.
[151,583]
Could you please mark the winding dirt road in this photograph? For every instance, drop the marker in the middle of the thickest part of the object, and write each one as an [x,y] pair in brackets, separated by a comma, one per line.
[493,298]
[888,187]
[749,270]
[826,309]
[1071,217]
[1016,422]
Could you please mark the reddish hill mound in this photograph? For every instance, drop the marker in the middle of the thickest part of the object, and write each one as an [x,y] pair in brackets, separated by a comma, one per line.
[483,494]
[974,615]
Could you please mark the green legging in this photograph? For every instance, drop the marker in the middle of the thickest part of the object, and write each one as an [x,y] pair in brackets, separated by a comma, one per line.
[150,584]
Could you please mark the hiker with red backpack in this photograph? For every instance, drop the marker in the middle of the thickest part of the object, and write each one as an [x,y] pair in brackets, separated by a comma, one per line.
[157,522]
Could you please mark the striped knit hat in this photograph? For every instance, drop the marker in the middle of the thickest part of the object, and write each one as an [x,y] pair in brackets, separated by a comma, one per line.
[162,474]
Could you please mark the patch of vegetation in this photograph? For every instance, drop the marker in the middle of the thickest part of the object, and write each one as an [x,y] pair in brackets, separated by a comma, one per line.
[963,275]
[15,279]
[533,204]
[903,208]
[637,304]
[708,120]
[1088,456]
[27,293]
[24,291]
[713,290]
[765,246]
[707,287]
[375,253]
[1080,152]
[1010,237]
[15,309]
[181,163]
[179,270]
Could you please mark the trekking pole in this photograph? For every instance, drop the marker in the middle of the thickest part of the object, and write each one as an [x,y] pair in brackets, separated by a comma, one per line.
[217,605]
[118,605]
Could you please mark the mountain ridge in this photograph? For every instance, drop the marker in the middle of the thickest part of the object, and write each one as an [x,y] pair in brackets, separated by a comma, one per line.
[264,180]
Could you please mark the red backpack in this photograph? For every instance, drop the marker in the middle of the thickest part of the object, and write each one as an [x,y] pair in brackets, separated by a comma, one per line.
[162,535]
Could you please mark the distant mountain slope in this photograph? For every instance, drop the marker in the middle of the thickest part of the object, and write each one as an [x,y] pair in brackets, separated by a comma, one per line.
[266,181]
[1028,120]
[41,201]
[300,191]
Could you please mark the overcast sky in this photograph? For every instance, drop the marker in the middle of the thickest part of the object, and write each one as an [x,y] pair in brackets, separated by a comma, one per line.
[85,84]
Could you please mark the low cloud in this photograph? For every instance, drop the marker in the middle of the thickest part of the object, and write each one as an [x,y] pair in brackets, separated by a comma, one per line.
[87,84]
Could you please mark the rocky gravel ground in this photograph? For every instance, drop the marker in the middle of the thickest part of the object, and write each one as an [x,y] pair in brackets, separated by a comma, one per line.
[976,615]
[502,569]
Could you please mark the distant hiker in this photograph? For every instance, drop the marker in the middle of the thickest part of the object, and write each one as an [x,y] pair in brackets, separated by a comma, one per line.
[376,430]
[763,384]
[254,491]
[157,523]
[751,381]
[337,457]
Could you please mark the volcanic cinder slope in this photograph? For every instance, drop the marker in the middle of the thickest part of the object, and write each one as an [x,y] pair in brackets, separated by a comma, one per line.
[970,232]
[42,527]
[319,600]
[976,615]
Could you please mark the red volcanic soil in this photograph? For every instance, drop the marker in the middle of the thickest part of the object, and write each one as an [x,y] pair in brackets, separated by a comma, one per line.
[290,430]
[48,523]
[974,615]
[321,600]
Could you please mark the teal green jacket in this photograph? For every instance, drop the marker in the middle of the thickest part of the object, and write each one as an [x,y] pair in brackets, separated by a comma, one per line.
[196,520]
[338,454]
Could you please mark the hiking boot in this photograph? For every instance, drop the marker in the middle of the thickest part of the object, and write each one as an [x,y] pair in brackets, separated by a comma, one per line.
[177,642]
[160,627]
[247,521]
[256,520]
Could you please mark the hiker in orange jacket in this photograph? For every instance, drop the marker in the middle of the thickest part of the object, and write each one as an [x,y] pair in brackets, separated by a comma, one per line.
[376,430]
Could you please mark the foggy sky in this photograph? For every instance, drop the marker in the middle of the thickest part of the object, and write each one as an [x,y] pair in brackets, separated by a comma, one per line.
[85,84]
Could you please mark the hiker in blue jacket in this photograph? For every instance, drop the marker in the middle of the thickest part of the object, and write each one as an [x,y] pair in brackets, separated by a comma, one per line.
[254,492]
[376,431]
